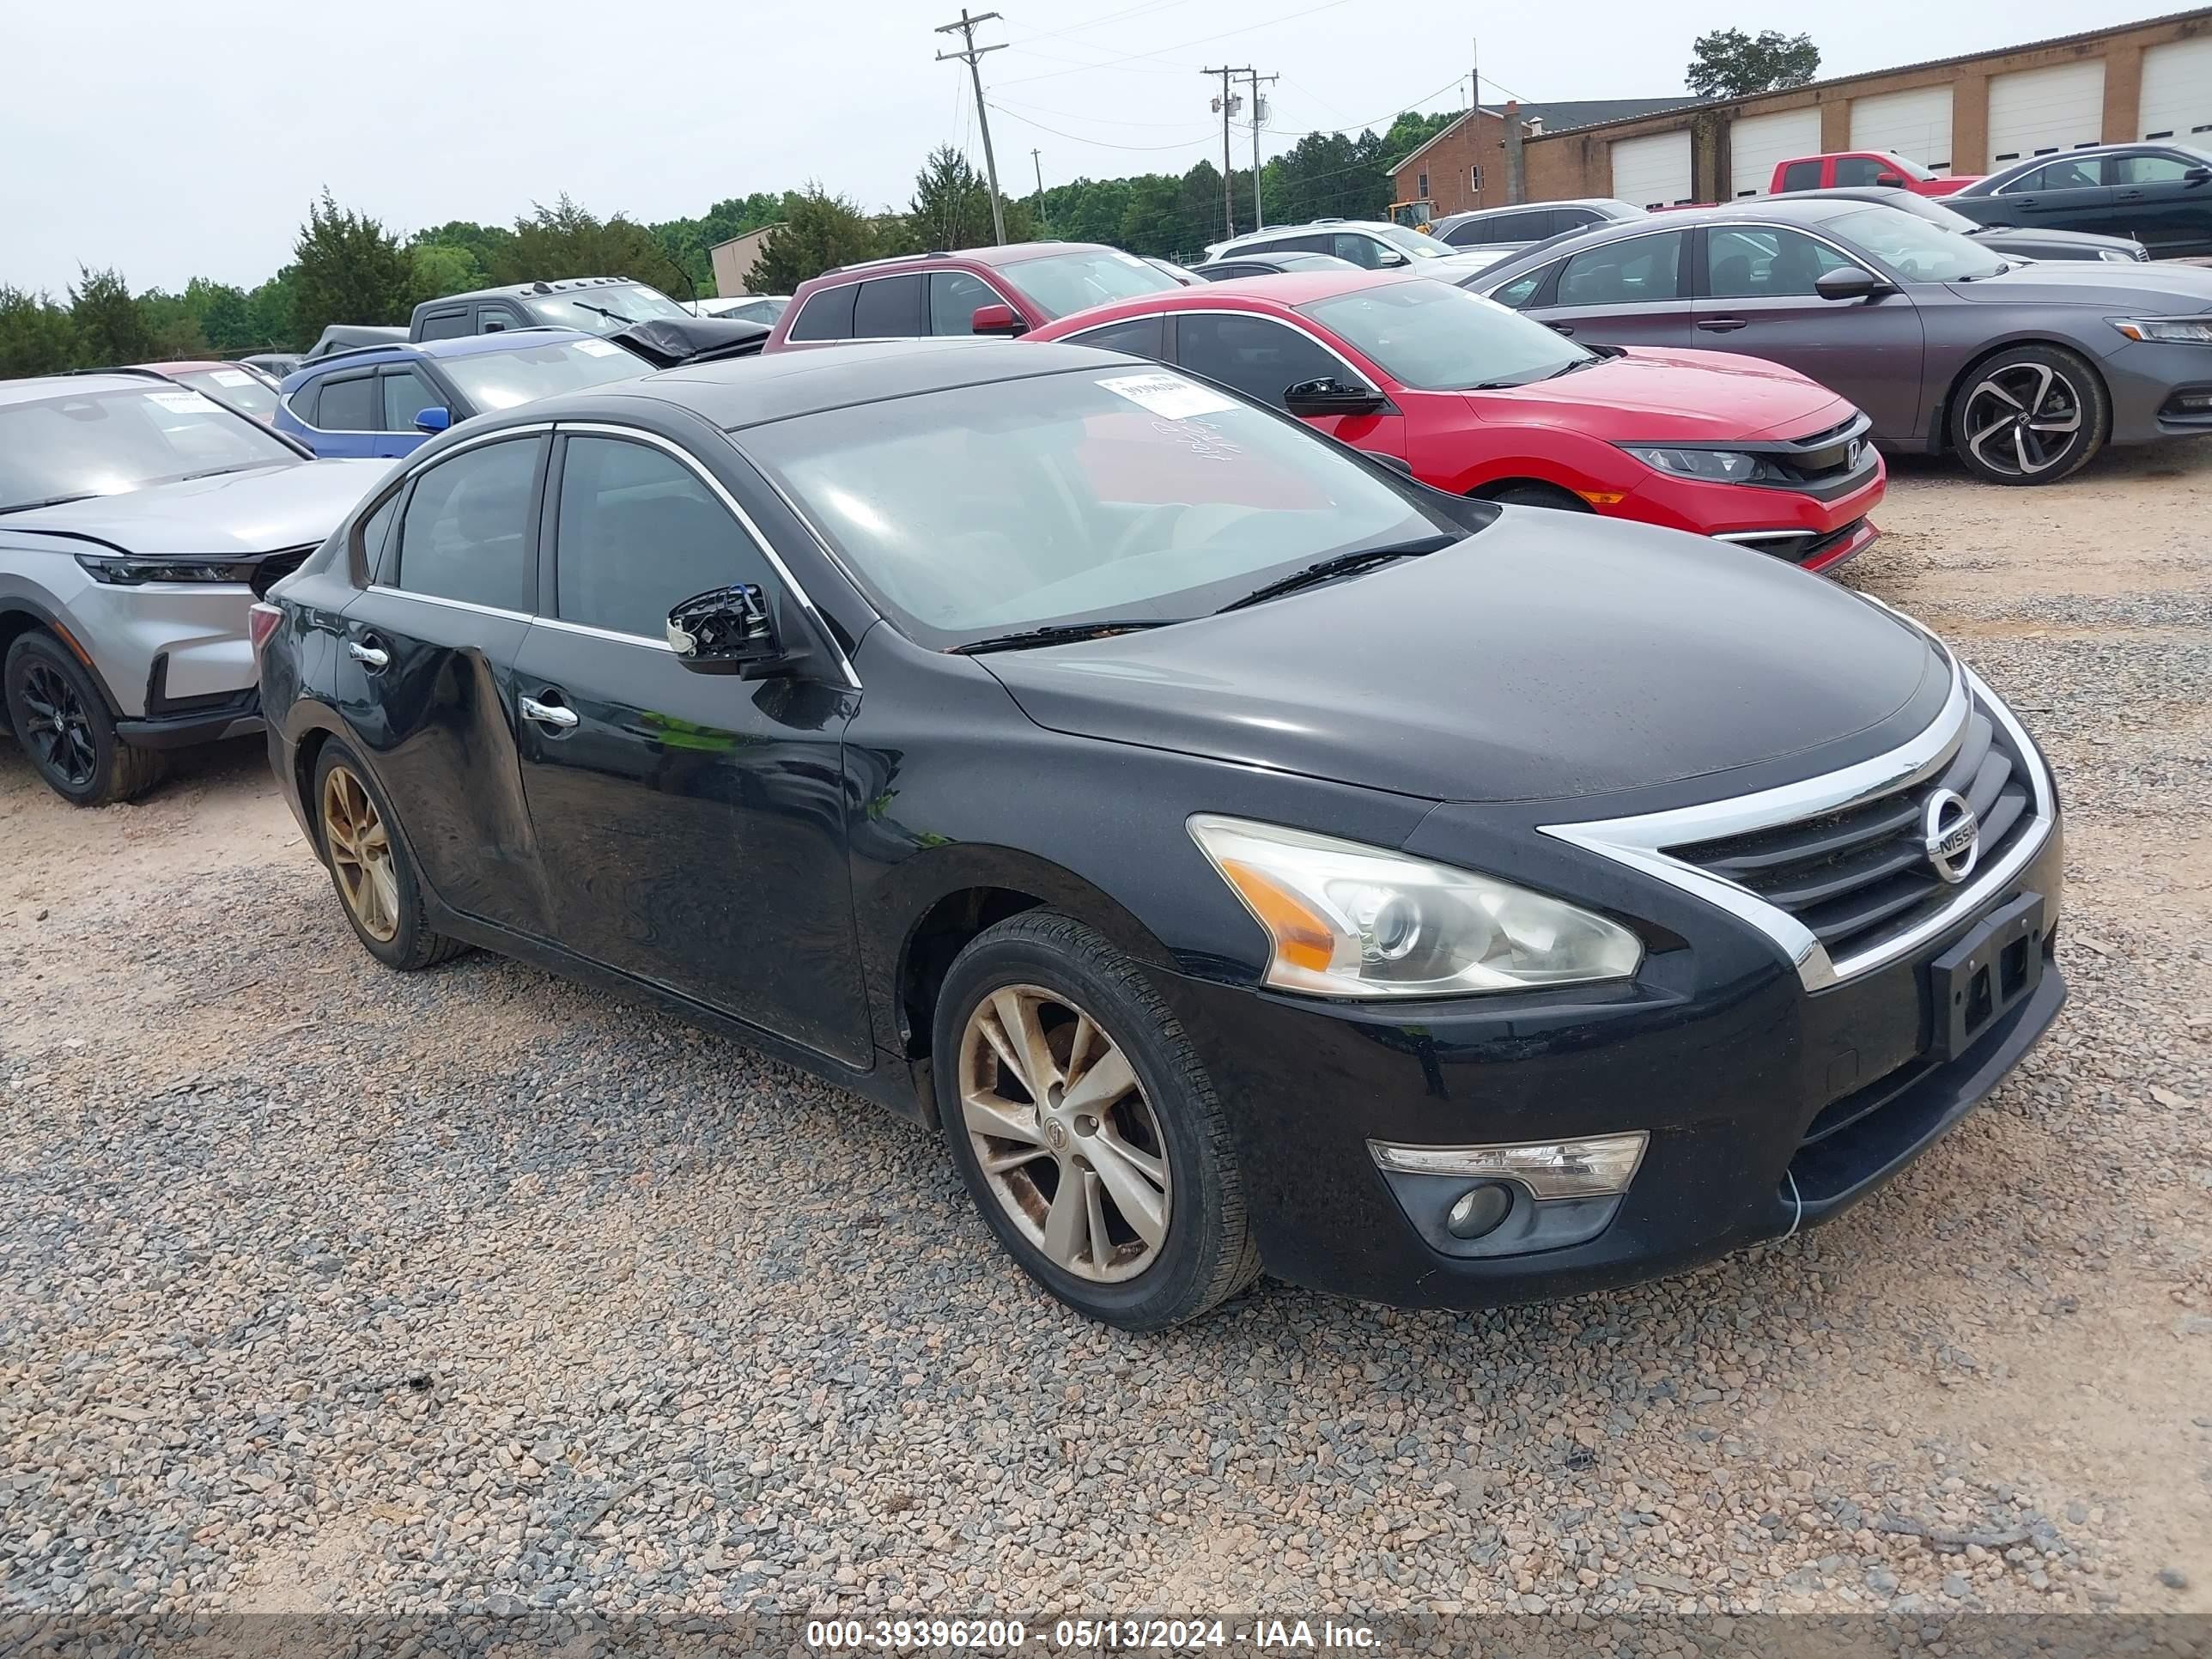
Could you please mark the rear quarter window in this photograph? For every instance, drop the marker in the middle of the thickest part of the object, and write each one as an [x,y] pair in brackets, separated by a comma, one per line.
[826,315]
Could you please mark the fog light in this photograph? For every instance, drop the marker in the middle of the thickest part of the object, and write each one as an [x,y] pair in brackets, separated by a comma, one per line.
[1593,1166]
[1479,1210]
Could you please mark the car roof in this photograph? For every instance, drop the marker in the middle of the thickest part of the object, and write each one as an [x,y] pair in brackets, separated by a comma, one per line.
[193,364]
[466,345]
[996,258]
[2029,163]
[1284,292]
[537,290]
[36,387]
[744,391]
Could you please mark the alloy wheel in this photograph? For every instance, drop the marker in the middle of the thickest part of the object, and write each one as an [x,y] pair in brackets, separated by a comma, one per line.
[1066,1140]
[58,727]
[2023,419]
[360,854]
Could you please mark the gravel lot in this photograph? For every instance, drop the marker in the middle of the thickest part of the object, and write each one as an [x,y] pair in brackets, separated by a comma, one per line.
[327,1289]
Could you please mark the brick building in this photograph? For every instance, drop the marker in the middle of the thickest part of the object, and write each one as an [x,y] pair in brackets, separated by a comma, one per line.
[1971,114]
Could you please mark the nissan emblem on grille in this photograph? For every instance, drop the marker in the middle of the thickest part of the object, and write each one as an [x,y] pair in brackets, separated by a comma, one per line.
[1952,835]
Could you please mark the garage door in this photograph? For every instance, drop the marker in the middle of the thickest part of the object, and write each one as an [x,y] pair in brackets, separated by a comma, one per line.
[2177,91]
[1916,124]
[1756,142]
[1652,171]
[2035,112]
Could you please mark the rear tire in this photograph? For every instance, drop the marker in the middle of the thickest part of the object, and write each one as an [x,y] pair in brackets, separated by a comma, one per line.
[2029,415]
[369,867]
[1538,495]
[60,718]
[1123,1119]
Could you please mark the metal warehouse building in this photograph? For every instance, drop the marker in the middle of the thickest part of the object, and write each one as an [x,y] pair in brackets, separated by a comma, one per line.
[1973,114]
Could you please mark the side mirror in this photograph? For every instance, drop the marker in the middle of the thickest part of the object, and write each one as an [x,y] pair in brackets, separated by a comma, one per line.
[1895,181]
[433,420]
[2196,175]
[727,630]
[1331,397]
[1392,260]
[1848,282]
[997,319]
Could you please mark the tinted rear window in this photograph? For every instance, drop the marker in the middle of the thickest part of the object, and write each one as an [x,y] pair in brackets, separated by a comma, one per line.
[826,315]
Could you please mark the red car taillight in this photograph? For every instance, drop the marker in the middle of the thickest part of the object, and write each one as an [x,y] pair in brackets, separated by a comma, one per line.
[261,621]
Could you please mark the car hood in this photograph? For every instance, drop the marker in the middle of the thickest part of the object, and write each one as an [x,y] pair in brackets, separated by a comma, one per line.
[287,504]
[1550,655]
[1648,395]
[2148,290]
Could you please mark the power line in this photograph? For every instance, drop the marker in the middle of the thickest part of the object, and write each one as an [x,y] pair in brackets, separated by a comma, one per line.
[1100,143]
[972,55]
[1159,54]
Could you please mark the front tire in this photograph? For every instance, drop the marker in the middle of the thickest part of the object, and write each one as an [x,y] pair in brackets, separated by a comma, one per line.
[62,720]
[2029,415]
[367,860]
[1076,1111]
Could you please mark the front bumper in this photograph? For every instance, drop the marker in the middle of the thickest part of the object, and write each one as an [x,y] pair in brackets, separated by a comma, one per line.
[1814,532]
[1726,1070]
[2154,384]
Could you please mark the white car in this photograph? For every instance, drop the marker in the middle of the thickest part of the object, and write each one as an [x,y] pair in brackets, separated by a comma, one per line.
[745,308]
[1368,242]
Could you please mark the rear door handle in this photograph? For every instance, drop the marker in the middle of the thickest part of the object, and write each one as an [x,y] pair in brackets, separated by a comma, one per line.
[371,657]
[1722,324]
[1560,328]
[2128,196]
[556,714]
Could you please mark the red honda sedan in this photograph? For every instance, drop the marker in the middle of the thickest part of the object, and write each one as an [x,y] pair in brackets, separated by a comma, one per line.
[1481,401]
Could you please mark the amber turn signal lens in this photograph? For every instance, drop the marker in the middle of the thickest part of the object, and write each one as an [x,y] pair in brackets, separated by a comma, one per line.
[1300,937]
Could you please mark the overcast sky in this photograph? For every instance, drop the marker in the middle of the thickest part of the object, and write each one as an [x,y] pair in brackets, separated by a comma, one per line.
[170,141]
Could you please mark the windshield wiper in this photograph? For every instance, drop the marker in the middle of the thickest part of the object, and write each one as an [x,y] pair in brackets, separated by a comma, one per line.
[51,501]
[1059,633]
[1342,564]
[217,471]
[612,316]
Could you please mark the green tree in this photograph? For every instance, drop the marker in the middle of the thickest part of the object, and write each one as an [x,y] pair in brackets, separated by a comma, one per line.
[819,231]
[172,326]
[109,327]
[441,268]
[951,207]
[224,316]
[1410,131]
[1729,63]
[347,268]
[271,319]
[35,335]
[482,243]
[566,240]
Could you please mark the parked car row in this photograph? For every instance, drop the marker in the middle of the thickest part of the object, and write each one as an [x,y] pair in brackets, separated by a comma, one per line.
[1432,899]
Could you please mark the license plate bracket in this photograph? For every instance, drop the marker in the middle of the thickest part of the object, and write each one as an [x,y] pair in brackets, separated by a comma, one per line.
[1991,970]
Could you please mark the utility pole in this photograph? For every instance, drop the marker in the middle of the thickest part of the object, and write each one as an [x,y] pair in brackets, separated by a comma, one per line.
[1227,104]
[1259,110]
[1037,160]
[969,54]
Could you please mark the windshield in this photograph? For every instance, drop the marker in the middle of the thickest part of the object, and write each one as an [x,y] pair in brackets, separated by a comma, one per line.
[586,308]
[500,380]
[1916,250]
[1412,242]
[1128,494]
[102,443]
[1905,165]
[1440,337]
[234,387]
[1060,283]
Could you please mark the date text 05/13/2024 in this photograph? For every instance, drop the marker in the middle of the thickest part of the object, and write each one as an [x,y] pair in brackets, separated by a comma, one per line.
[1086,1635]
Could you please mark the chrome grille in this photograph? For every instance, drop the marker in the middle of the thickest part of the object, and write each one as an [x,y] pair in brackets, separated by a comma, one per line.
[1854,876]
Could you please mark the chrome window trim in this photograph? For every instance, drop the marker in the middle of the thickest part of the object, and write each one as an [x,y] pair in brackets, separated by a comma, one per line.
[616,635]
[470,606]
[1639,843]
[805,603]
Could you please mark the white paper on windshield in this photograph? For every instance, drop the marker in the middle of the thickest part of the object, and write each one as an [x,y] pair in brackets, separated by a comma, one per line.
[597,348]
[1169,395]
[232,377]
[184,402]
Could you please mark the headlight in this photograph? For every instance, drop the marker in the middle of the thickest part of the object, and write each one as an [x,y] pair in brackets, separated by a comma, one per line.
[1350,920]
[131,572]
[1715,465]
[2174,331]
[2117,256]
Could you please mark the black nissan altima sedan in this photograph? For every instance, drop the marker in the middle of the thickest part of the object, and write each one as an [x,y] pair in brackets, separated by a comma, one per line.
[1247,856]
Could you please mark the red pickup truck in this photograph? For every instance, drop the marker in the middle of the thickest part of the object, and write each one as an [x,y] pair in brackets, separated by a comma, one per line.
[1860,167]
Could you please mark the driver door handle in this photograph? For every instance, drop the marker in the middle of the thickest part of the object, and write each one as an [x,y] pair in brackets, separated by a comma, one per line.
[1722,324]
[368,656]
[557,714]
[1561,328]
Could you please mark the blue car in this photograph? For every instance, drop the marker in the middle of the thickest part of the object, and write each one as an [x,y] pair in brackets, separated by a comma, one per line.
[384,400]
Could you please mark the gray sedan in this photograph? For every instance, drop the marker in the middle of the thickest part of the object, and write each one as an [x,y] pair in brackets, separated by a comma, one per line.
[2025,371]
